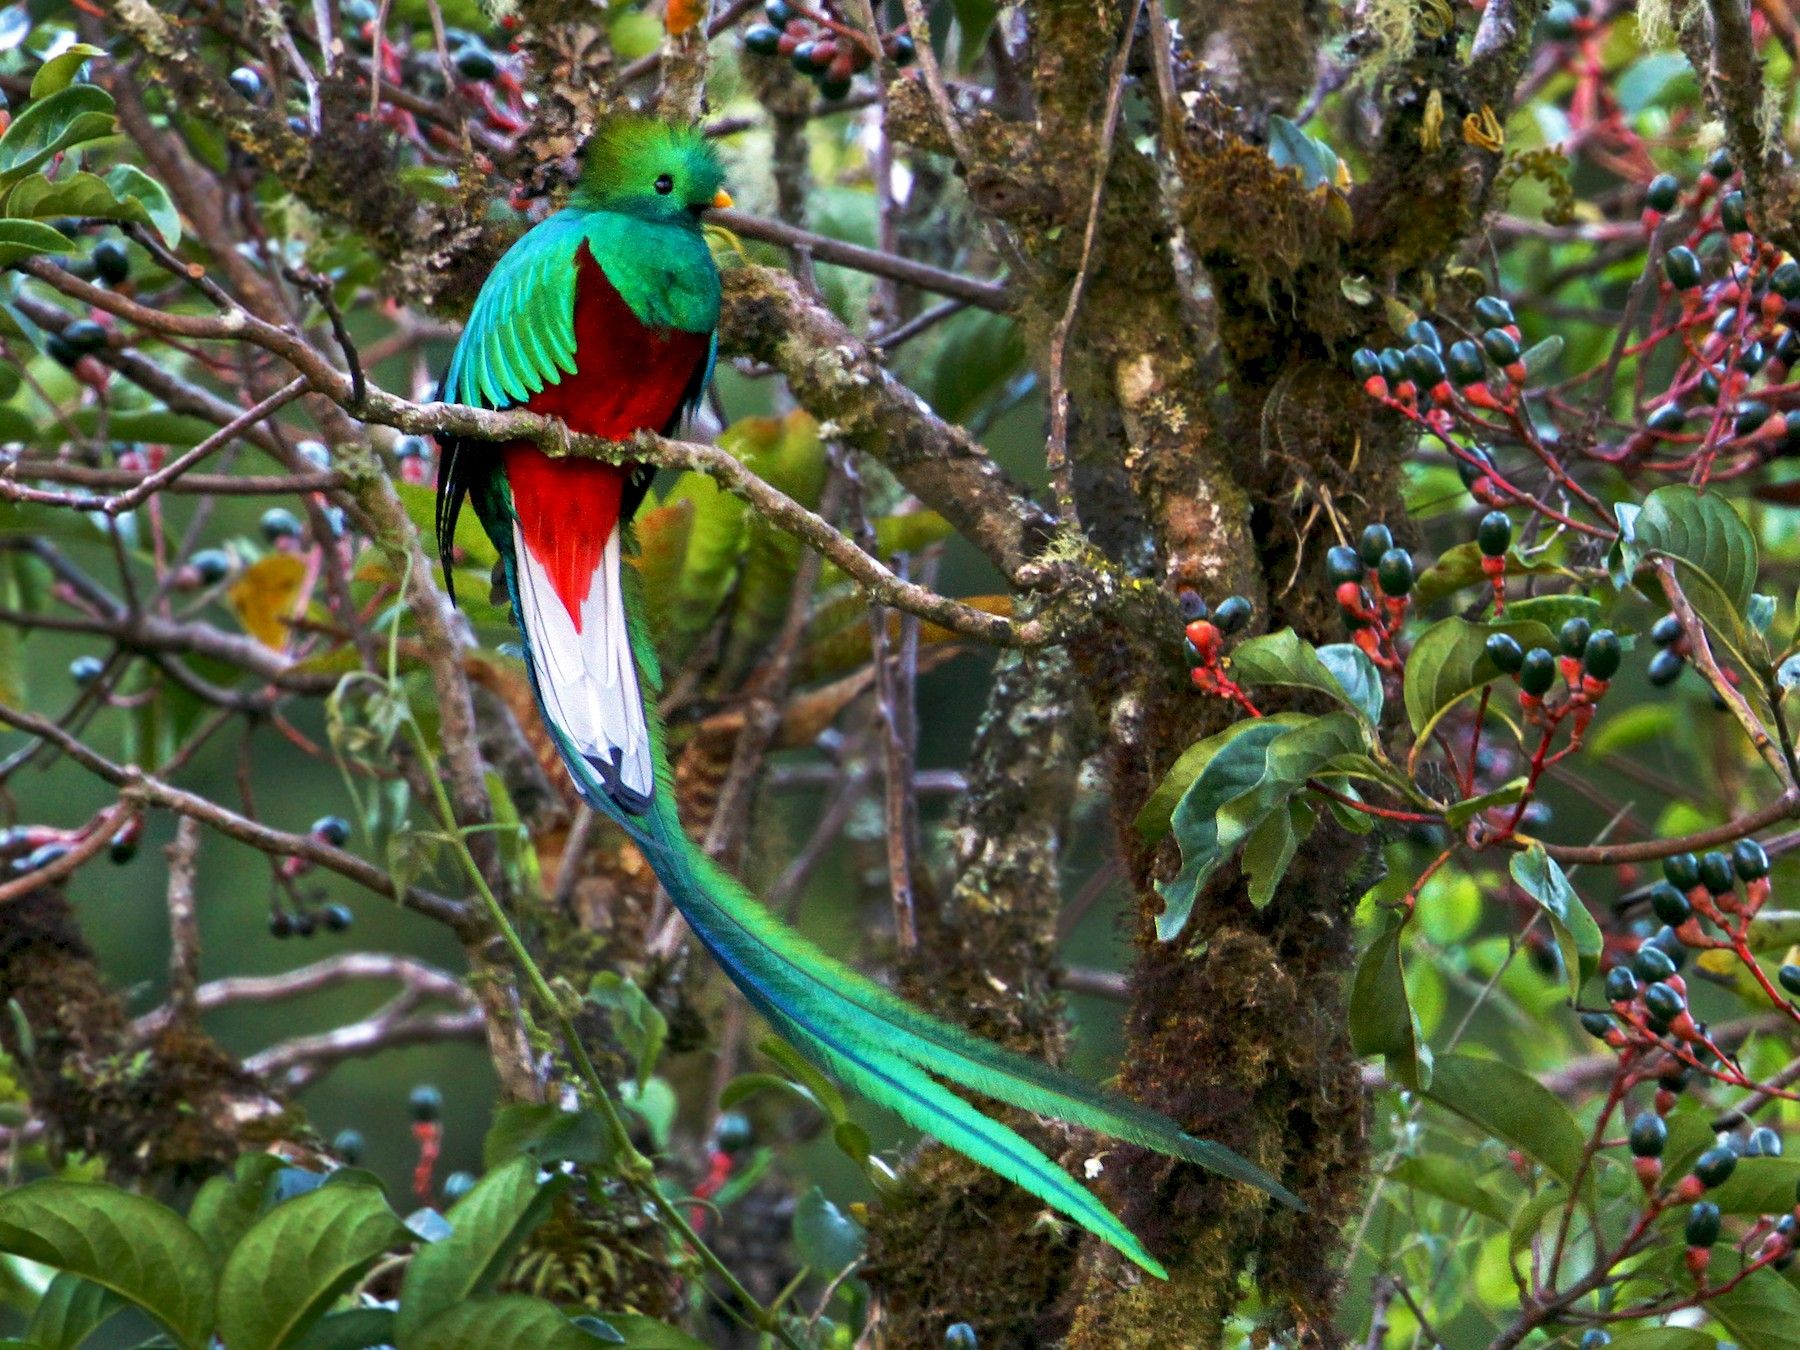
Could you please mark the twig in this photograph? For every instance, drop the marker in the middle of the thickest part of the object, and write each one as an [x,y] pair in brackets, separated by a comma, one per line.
[184,921]
[919,26]
[321,291]
[989,295]
[175,468]
[305,1059]
[151,791]
[1057,451]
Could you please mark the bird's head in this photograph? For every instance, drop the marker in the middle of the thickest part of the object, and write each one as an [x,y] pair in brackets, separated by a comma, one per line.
[647,168]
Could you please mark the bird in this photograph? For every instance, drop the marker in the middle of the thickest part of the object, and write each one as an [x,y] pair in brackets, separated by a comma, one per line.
[604,315]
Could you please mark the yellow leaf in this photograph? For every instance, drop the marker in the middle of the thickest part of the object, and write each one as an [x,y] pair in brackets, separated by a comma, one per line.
[263,597]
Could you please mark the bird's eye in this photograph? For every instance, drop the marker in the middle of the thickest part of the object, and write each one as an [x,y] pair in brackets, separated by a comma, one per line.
[665,184]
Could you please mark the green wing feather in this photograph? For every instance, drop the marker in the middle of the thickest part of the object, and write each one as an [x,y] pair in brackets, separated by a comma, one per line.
[521,333]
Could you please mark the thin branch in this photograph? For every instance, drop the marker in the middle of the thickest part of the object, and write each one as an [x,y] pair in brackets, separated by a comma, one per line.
[989,295]
[141,789]
[184,921]
[1057,450]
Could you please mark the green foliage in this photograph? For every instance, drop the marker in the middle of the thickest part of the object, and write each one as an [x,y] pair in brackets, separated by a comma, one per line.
[1577,935]
[287,1270]
[1240,796]
[487,1227]
[129,1245]
[271,1259]
[1382,1020]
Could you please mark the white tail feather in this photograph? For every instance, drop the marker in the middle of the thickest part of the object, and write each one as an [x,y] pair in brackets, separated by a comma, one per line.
[588,680]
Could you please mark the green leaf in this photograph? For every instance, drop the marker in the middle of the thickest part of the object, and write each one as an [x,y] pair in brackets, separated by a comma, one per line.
[1704,531]
[1510,1106]
[1758,1186]
[1235,761]
[69,1311]
[637,1332]
[1760,612]
[506,1322]
[654,1103]
[352,1329]
[1630,727]
[1716,560]
[547,1133]
[1577,935]
[977,354]
[1662,1338]
[487,1227]
[1251,778]
[1292,148]
[133,1246]
[716,540]
[1152,821]
[1449,662]
[82,112]
[1541,356]
[1644,79]
[472,542]
[1382,1021]
[131,184]
[59,72]
[150,424]
[1461,813]
[285,1273]
[1449,1179]
[25,238]
[825,1237]
[973,20]
[1762,1313]
[86,194]
[1342,671]
[1460,566]
[1270,849]
[818,1086]
[1553,611]
[636,1021]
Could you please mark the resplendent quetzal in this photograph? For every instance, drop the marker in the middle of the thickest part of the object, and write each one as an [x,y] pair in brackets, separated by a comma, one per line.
[603,315]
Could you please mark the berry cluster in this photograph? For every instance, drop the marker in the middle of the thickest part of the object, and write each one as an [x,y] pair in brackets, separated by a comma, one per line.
[31,848]
[74,348]
[487,79]
[412,456]
[1738,332]
[1373,585]
[1207,630]
[821,45]
[1434,384]
[1586,658]
[427,1107]
[302,920]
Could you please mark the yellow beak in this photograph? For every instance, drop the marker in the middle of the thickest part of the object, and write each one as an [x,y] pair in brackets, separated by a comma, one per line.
[721,200]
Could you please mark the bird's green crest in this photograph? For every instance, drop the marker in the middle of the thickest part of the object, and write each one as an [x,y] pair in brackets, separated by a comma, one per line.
[640,166]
